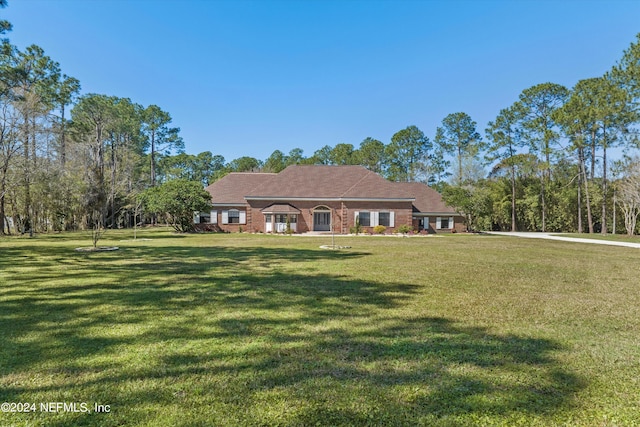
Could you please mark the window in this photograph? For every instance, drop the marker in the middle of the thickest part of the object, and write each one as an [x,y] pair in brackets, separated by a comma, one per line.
[444,223]
[384,218]
[234,216]
[267,218]
[205,218]
[365,219]
[282,218]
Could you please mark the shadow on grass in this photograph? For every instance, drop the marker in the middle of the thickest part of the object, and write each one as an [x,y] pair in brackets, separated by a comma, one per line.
[238,329]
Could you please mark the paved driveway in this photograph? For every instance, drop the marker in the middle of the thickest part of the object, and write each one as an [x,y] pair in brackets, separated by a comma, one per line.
[549,236]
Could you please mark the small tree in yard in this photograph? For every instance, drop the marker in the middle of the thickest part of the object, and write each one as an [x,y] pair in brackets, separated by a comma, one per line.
[178,200]
[629,201]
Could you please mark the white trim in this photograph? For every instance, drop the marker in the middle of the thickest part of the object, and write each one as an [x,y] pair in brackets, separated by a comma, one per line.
[374,218]
[225,217]
[243,217]
[214,217]
[392,219]
[196,217]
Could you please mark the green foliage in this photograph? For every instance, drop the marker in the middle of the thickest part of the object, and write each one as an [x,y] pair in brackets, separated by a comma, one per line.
[357,228]
[474,202]
[288,229]
[179,199]
[407,154]
[276,162]
[379,229]
[342,154]
[404,229]
[457,136]
[371,155]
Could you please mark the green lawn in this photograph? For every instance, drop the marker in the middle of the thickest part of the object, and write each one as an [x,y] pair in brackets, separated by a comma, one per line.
[190,330]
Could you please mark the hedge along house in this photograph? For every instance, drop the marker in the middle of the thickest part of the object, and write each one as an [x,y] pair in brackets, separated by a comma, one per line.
[318,198]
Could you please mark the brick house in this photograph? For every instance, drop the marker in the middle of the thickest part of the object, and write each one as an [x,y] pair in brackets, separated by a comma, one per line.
[323,199]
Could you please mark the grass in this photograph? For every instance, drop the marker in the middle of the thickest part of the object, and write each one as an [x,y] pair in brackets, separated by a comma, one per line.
[186,330]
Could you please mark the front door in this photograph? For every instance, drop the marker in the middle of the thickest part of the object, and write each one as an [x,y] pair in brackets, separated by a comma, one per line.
[322,221]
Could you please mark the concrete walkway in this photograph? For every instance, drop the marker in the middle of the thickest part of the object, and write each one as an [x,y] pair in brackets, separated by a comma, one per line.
[549,236]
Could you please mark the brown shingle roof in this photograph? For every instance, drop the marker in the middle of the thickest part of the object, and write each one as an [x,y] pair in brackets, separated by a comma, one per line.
[328,182]
[232,188]
[280,209]
[427,199]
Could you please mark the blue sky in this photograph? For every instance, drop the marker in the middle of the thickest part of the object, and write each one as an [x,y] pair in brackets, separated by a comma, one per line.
[249,77]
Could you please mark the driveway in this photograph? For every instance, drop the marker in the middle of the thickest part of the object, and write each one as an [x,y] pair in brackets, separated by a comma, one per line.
[549,236]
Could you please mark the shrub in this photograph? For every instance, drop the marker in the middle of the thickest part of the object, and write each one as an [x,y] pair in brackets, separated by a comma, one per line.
[357,229]
[379,229]
[404,229]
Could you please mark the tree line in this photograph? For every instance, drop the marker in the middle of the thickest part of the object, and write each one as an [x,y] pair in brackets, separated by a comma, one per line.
[71,161]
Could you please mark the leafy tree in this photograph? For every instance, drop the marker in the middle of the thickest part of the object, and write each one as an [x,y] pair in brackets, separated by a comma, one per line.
[92,118]
[577,121]
[65,91]
[629,194]
[342,154]
[322,156]
[244,164]
[9,148]
[276,162]
[5,26]
[295,157]
[535,107]
[31,76]
[457,136]
[161,137]
[407,154]
[178,199]
[438,168]
[626,73]
[505,142]
[471,201]
[371,155]
[612,114]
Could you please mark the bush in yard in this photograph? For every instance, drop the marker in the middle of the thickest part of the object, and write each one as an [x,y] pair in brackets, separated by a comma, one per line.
[356,229]
[404,229]
[178,199]
[379,229]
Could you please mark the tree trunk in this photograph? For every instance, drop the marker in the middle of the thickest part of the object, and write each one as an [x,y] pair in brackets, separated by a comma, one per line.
[513,198]
[580,164]
[26,222]
[63,143]
[153,160]
[604,181]
[2,212]
[542,202]
[112,196]
[586,193]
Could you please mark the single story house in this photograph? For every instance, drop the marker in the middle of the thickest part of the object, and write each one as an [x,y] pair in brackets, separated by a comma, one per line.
[323,199]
